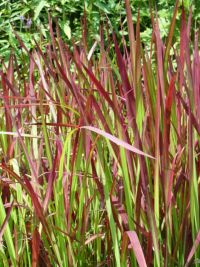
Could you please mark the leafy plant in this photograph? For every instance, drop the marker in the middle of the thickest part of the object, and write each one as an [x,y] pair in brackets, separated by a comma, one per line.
[29,18]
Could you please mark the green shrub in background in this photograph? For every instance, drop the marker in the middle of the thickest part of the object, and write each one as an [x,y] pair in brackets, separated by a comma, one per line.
[29,18]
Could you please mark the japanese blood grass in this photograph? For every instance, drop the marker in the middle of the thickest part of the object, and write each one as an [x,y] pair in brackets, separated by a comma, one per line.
[100,155]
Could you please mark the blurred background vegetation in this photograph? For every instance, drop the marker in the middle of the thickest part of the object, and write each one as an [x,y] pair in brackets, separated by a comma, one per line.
[29,18]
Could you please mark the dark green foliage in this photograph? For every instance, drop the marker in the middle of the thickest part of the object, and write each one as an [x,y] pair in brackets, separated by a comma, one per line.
[30,19]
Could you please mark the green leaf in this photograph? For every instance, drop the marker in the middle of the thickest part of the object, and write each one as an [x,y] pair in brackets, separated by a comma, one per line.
[63,2]
[102,7]
[67,30]
[39,8]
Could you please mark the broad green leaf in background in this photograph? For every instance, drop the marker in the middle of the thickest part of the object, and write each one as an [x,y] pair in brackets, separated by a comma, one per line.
[67,30]
[39,8]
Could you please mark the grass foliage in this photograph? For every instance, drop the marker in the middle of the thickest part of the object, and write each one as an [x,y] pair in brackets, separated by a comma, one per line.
[100,155]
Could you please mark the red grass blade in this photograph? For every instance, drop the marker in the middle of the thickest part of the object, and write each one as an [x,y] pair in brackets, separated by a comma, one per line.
[35,247]
[116,141]
[136,247]
[170,36]
[167,115]
[131,34]
[192,251]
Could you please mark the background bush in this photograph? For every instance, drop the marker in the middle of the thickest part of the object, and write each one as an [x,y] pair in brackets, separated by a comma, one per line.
[30,19]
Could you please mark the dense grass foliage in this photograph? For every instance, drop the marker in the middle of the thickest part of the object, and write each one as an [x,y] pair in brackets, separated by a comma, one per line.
[100,155]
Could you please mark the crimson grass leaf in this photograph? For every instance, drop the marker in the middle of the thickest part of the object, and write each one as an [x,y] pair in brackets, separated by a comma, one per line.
[192,251]
[135,245]
[117,141]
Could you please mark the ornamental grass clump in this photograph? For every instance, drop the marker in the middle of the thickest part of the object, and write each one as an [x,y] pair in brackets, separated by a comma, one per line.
[100,151]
